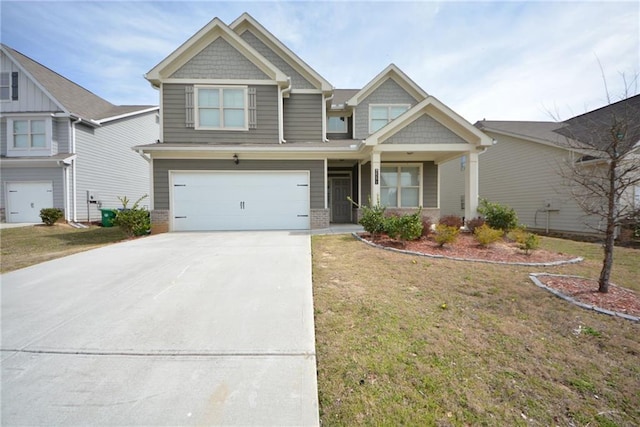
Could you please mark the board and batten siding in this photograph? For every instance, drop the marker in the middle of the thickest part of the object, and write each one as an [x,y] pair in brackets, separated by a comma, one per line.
[107,164]
[3,136]
[52,174]
[176,131]
[297,80]
[424,130]
[429,184]
[161,168]
[61,135]
[30,97]
[303,118]
[388,92]
[219,60]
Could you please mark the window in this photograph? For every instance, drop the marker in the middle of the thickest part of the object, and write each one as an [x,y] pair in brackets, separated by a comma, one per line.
[9,86]
[5,87]
[28,134]
[380,115]
[221,108]
[401,186]
[336,124]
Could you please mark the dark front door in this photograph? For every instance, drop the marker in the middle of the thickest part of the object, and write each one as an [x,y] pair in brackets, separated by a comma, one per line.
[340,206]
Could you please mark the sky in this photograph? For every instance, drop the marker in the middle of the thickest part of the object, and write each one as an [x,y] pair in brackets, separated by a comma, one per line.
[496,60]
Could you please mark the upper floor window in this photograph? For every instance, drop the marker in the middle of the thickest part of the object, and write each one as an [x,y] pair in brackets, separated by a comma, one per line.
[8,86]
[29,136]
[401,186]
[221,108]
[336,124]
[381,114]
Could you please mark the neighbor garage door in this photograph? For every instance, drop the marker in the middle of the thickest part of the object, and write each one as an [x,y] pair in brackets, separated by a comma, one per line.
[25,199]
[260,200]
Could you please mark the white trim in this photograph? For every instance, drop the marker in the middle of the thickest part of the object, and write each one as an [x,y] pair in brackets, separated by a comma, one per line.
[125,115]
[398,165]
[249,82]
[326,182]
[221,108]
[417,148]
[307,91]
[161,112]
[47,150]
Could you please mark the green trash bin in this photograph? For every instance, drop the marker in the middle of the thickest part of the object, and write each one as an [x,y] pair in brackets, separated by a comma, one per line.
[108,215]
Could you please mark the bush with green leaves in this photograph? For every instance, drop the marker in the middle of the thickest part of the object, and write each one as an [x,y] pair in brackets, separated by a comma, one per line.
[446,234]
[372,219]
[528,242]
[134,221]
[451,221]
[405,227]
[50,215]
[498,216]
[486,235]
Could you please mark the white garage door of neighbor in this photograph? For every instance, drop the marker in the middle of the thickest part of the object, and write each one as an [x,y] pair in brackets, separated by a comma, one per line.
[274,200]
[25,199]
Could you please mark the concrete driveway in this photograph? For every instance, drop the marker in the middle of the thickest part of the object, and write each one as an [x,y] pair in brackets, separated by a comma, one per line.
[173,329]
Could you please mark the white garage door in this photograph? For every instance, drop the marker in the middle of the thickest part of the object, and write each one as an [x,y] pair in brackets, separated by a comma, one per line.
[277,200]
[25,199]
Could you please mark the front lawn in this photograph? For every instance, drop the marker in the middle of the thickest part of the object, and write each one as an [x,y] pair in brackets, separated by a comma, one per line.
[409,340]
[25,246]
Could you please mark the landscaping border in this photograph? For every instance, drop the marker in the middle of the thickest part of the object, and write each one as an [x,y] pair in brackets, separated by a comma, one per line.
[537,282]
[526,264]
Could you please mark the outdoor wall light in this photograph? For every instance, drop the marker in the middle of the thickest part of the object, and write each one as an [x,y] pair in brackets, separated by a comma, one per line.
[235,159]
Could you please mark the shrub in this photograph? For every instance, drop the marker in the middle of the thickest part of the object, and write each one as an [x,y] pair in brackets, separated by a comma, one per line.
[426,226]
[405,227]
[474,223]
[528,242]
[446,234]
[486,235]
[373,219]
[498,216]
[451,221]
[134,221]
[50,215]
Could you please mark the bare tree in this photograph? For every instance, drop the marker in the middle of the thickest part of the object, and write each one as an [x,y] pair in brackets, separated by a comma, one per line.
[604,168]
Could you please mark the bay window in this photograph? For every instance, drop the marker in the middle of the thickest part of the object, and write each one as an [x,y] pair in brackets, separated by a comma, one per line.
[401,186]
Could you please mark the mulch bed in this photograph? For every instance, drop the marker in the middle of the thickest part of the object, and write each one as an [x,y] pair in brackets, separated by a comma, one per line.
[585,290]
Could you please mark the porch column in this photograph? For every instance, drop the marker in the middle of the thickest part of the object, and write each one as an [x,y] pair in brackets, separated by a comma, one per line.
[471,186]
[375,178]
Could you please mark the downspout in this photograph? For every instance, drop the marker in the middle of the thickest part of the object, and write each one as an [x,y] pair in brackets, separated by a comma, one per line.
[149,160]
[283,93]
[324,117]
[74,169]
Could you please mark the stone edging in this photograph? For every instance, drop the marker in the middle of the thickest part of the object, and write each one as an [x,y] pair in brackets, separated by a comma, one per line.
[534,279]
[528,264]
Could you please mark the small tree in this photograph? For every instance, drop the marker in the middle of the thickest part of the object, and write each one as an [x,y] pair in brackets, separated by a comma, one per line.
[134,221]
[604,167]
[500,217]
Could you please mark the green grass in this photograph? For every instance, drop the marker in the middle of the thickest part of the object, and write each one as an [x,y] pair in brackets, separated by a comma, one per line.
[389,354]
[25,246]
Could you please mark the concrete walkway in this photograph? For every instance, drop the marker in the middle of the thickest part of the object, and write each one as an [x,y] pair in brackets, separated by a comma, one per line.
[173,329]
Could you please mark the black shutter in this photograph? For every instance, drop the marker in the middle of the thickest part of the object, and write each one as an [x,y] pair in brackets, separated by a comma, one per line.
[14,86]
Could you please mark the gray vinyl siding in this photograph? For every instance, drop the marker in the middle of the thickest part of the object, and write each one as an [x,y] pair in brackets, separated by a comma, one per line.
[219,60]
[452,187]
[388,92]
[161,168]
[61,135]
[303,118]
[52,174]
[297,80]
[107,164]
[30,97]
[3,136]
[523,174]
[425,130]
[174,117]
[429,184]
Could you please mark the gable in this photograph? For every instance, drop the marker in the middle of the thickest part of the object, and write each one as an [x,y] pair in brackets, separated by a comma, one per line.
[220,60]
[297,80]
[389,92]
[424,130]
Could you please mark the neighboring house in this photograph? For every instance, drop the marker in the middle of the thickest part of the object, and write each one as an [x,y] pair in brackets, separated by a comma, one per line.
[58,141]
[523,171]
[252,137]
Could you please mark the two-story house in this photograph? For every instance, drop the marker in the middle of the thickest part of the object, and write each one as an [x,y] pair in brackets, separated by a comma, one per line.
[65,147]
[251,137]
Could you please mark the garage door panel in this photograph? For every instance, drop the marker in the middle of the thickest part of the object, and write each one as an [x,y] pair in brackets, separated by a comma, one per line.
[26,199]
[240,201]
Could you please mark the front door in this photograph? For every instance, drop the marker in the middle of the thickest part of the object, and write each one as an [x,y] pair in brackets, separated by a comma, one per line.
[340,206]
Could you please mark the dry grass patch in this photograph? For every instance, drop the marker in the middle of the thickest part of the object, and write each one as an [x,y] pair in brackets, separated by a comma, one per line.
[501,352]
[25,246]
